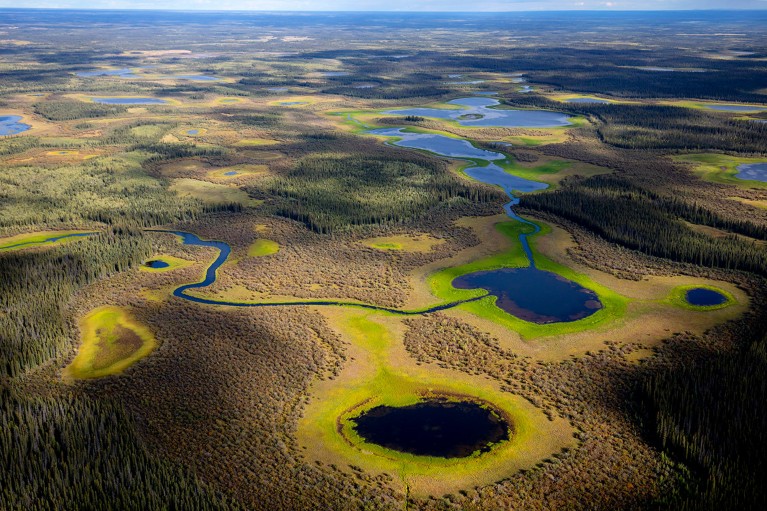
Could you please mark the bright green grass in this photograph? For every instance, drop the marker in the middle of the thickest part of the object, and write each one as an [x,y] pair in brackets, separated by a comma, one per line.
[677,298]
[440,282]
[263,247]
[22,241]
[721,168]
[383,379]
[112,341]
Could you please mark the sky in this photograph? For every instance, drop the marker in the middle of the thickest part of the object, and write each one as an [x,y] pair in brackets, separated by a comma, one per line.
[390,5]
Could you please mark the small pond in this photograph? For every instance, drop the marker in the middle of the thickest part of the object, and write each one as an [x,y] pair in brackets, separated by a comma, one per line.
[753,171]
[12,125]
[702,297]
[193,132]
[231,173]
[156,263]
[434,427]
[197,78]
[587,100]
[533,295]
[123,73]
[130,101]
[490,117]
[331,74]
[288,103]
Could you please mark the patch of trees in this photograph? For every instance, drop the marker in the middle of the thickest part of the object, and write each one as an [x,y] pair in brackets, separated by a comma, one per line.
[70,110]
[75,453]
[620,213]
[328,193]
[713,414]
[36,285]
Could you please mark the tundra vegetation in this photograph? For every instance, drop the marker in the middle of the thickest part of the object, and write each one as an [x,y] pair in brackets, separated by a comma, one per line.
[117,394]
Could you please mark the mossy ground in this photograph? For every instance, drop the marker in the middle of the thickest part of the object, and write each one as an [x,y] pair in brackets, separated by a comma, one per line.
[383,373]
[403,242]
[211,192]
[721,168]
[36,239]
[111,341]
[263,247]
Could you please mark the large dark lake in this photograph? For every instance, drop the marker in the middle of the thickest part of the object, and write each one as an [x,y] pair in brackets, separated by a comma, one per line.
[439,428]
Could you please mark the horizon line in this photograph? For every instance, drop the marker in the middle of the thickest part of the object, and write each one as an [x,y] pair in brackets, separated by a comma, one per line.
[400,11]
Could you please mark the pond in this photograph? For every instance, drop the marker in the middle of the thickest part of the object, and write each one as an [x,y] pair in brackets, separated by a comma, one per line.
[231,173]
[438,144]
[123,73]
[130,101]
[434,427]
[735,108]
[490,117]
[12,125]
[753,171]
[192,132]
[587,100]
[702,297]
[197,78]
[156,263]
[335,73]
[533,295]
[289,103]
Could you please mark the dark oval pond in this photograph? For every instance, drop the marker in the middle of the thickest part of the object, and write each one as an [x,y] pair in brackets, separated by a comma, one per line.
[156,263]
[534,295]
[702,297]
[434,427]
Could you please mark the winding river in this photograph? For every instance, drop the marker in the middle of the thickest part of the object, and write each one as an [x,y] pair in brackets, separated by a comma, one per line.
[482,167]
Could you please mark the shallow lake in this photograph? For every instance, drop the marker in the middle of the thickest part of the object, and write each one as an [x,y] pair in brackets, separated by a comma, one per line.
[703,297]
[288,103]
[587,100]
[533,295]
[734,108]
[753,171]
[12,125]
[130,101]
[335,73]
[231,173]
[490,117]
[438,144]
[433,428]
[125,72]
[193,132]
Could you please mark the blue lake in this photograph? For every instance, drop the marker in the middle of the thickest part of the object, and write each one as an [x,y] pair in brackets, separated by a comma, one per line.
[157,263]
[231,173]
[586,100]
[438,144]
[130,101]
[735,108]
[12,125]
[753,171]
[124,73]
[288,103]
[193,132]
[533,295]
[335,73]
[479,112]
[703,297]
[197,78]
